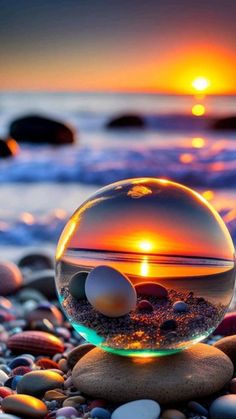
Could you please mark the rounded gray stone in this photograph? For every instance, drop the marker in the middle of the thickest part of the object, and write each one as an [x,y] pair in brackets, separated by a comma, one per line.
[197,372]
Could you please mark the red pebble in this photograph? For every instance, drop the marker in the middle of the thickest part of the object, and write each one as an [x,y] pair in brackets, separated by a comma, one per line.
[46,364]
[145,305]
[21,370]
[5,391]
[97,403]
[228,325]
[151,289]
[35,342]
[6,316]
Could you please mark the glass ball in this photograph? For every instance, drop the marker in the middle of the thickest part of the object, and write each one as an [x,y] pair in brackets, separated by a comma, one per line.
[145,267]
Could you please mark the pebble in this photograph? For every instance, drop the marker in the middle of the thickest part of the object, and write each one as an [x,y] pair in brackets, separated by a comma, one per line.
[138,409]
[36,342]
[36,383]
[46,311]
[3,377]
[151,289]
[224,407]
[180,307]
[67,412]
[110,292]
[74,401]
[6,416]
[5,391]
[24,405]
[168,325]
[36,261]
[10,278]
[29,294]
[228,325]
[56,394]
[77,285]
[145,305]
[100,413]
[228,346]
[232,386]
[172,414]
[21,361]
[197,408]
[46,363]
[44,282]
[77,353]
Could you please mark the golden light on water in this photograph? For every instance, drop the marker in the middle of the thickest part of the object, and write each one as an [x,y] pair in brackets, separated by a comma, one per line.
[198,110]
[200,84]
[198,142]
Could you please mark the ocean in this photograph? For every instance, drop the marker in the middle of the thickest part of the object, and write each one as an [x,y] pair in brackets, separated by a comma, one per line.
[43,185]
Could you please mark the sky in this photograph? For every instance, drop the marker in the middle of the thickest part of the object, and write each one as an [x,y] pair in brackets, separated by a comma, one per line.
[116,45]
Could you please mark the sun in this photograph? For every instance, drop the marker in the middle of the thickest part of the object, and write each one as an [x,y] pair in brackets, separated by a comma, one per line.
[200,84]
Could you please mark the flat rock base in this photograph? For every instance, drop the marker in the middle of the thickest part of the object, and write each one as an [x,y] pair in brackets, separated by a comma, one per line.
[197,372]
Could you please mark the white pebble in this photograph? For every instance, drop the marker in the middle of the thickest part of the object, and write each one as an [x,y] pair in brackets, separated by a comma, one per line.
[138,409]
[3,377]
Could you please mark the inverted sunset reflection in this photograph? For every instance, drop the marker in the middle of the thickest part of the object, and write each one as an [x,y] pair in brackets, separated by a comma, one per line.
[164,219]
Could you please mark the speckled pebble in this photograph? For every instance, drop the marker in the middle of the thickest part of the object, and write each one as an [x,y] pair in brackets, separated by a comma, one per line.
[138,409]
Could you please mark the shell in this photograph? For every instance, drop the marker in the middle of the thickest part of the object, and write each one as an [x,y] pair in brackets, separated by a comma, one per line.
[10,278]
[35,342]
[228,325]
[110,292]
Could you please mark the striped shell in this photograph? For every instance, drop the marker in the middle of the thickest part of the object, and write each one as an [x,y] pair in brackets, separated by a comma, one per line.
[35,342]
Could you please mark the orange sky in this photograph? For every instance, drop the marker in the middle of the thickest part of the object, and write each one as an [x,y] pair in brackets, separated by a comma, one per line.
[146,46]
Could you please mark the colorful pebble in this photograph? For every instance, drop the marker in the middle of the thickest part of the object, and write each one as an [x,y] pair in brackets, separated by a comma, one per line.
[36,342]
[151,289]
[36,383]
[10,278]
[23,405]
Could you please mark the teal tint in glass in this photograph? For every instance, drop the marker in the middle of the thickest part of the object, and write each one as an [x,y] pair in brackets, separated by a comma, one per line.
[145,267]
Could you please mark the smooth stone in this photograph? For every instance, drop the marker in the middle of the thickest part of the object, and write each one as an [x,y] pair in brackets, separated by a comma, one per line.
[77,285]
[145,305]
[224,407]
[74,401]
[3,377]
[77,353]
[36,261]
[151,289]
[100,413]
[196,372]
[172,414]
[228,346]
[110,292]
[126,121]
[24,405]
[138,409]
[180,307]
[228,325]
[46,311]
[5,391]
[10,278]
[197,408]
[37,129]
[44,282]
[20,361]
[36,342]
[36,383]
[232,386]
[67,412]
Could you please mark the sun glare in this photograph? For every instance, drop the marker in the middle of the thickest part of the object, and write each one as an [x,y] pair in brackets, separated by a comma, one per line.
[200,84]
[145,245]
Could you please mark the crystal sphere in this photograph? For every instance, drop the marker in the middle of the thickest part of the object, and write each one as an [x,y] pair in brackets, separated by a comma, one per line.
[145,267]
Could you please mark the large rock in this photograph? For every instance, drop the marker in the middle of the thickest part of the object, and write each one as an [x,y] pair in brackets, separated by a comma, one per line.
[8,148]
[194,373]
[126,121]
[227,123]
[40,130]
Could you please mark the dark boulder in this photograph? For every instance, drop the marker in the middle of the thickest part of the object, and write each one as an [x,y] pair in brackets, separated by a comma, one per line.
[126,121]
[227,123]
[40,130]
[8,148]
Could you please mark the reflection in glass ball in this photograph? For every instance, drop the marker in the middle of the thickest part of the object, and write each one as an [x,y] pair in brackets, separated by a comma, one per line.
[145,267]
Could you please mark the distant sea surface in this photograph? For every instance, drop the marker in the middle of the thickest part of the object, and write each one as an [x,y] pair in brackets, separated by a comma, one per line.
[43,185]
